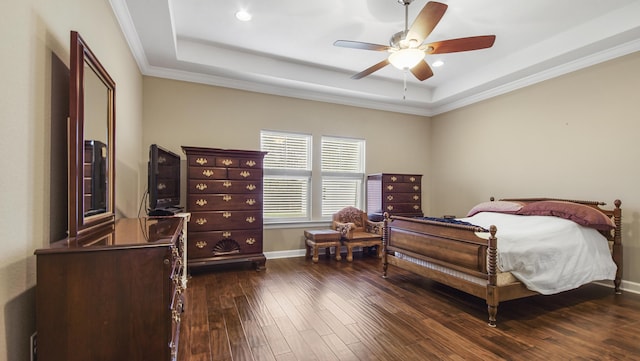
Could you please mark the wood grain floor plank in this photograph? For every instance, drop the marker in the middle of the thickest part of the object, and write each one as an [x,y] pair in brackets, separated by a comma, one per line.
[337,327]
[316,344]
[276,340]
[219,344]
[294,339]
[339,348]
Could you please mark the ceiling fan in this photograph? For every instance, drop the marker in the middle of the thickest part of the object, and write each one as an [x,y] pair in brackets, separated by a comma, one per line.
[407,48]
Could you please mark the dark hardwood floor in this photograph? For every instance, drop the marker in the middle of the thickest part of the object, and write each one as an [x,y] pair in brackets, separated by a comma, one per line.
[335,310]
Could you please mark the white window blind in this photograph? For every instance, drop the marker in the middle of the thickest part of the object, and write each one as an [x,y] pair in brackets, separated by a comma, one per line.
[342,155]
[286,150]
[342,173]
[287,175]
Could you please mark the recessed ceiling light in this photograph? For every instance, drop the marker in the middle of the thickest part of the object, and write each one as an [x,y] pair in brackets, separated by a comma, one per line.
[243,15]
[437,63]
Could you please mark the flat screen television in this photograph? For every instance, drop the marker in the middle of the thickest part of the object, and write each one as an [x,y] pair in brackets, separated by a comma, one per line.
[163,182]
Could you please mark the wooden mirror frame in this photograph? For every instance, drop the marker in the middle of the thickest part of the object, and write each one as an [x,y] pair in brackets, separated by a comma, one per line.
[81,224]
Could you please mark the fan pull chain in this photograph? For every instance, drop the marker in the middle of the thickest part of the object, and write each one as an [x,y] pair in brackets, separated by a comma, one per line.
[404,94]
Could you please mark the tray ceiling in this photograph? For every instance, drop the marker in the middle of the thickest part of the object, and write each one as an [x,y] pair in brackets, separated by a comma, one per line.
[287,48]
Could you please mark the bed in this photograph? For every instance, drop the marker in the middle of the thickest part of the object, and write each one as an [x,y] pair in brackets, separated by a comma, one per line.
[468,254]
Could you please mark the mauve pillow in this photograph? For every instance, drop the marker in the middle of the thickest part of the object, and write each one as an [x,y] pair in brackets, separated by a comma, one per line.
[496,206]
[579,213]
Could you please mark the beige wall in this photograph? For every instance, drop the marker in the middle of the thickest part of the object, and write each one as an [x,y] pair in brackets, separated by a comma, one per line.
[576,136]
[179,113]
[35,55]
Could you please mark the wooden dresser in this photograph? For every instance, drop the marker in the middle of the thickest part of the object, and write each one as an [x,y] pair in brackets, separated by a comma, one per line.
[398,194]
[224,197]
[114,296]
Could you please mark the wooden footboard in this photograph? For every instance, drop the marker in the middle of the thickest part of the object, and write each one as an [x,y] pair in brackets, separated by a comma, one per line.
[465,257]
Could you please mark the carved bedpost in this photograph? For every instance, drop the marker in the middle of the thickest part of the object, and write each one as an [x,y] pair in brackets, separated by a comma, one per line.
[617,245]
[492,270]
[385,235]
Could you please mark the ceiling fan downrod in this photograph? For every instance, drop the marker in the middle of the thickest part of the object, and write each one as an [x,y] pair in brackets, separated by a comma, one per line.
[406,4]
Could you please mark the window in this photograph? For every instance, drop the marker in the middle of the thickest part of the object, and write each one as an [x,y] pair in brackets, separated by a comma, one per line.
[287,175]
[291,177]
[342,173]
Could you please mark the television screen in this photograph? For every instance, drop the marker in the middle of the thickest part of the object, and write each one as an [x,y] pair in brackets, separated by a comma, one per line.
[164,181]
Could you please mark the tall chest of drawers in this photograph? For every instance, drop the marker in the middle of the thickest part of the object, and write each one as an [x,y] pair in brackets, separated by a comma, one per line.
[224,197]
[397,194]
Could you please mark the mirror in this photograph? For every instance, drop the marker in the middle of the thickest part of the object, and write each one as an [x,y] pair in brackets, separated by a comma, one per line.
[91,143]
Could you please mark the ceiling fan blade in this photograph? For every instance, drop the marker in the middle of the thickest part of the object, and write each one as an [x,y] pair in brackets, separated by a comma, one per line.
[371,69]
[461,44]
[360,45]
[422,71]
[426,21]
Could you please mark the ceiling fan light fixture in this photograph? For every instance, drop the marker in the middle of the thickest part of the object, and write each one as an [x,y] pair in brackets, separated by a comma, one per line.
[406,58]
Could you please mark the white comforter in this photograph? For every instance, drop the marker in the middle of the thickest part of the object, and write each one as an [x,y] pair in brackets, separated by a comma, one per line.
[548,254]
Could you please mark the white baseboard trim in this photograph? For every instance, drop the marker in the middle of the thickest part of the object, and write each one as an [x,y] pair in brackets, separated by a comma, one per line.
[626,286]
[285,254]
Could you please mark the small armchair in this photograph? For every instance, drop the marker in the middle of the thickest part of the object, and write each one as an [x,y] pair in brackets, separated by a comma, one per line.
[357,230]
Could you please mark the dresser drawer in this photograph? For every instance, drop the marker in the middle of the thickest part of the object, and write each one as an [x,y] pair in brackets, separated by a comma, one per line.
[211,221]
[207,173]
[402,198]
[224,243]
[200,160]
[233,162]
[224,186]
[401,188]
[224,202]
[401,178]
[398,208]
[244,173]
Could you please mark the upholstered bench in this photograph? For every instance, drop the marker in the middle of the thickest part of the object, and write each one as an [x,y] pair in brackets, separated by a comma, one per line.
[322,238]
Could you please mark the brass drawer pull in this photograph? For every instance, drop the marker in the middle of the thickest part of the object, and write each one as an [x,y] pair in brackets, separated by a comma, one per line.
[201,186]
[390,187]
[201,202]
[201,221]
[227,162]
[250,219]
[207,172]
[201,161]
[226,198]
[201,244]
[251,241]
[251,187]
[245,173]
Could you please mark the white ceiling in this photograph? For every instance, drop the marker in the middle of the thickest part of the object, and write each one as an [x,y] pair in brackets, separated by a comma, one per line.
[287,48]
